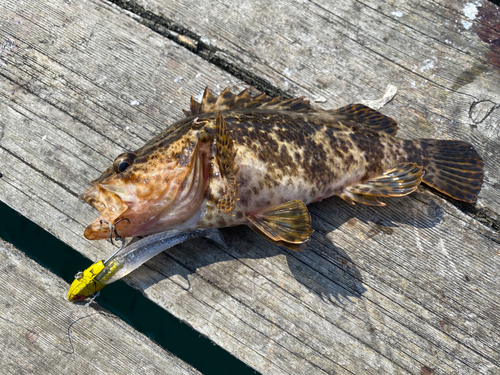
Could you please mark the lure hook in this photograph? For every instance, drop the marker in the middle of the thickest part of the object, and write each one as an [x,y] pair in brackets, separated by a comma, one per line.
[112,228]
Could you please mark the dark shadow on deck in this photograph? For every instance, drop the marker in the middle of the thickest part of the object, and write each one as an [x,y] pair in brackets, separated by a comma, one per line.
[325,269]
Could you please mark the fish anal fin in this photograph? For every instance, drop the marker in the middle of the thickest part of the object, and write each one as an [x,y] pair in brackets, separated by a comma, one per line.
[289,222]
[369,200]
[346,198]
[225,154]
[360,114]
[400,180]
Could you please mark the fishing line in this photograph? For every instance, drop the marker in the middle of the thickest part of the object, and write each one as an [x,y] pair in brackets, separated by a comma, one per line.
[72,351]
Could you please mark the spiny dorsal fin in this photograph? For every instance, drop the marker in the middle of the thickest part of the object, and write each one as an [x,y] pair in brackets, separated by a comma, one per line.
[400,180]
[227,100]
[208,102]
[225,153]
[359,114]
[289,222]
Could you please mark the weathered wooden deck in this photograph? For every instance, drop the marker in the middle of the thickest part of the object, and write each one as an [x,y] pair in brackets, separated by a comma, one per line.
[412,287]
[40,333]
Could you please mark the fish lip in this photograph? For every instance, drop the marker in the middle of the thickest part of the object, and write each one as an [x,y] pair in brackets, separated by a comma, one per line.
[95,232]
[110,206]
[89,193]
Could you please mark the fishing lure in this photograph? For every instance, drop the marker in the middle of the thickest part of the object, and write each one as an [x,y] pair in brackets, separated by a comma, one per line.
[127,258]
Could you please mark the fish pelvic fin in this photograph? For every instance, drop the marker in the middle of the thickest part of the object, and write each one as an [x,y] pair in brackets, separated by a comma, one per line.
[400,180]
[361,115]
[453,168]
[288,223]
[225,154]
[229,101]
[292,246]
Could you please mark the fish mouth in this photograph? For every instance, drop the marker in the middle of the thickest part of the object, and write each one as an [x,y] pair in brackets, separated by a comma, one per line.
[109,205]
[149,207]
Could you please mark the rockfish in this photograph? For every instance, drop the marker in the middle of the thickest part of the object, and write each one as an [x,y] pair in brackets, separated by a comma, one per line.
[256,160]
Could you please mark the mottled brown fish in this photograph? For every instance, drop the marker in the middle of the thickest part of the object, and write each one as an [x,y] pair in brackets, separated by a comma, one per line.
[258,161]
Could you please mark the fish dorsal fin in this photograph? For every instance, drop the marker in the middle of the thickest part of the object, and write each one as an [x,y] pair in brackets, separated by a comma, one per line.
[225,153]
[227,100]
[400,180]
[289,222]
[359,114]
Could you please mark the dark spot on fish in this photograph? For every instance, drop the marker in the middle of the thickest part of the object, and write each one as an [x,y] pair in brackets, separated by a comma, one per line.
[349,159]
[343,146]
[244,200]
[1,175]
[285,160]
[467,278]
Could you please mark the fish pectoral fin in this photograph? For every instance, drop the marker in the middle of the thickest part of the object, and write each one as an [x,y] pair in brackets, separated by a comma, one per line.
[360,114]
[289,222]
[225,154]
[400,180]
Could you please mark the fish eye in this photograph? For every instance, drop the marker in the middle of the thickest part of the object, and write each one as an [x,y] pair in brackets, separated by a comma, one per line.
[123,161]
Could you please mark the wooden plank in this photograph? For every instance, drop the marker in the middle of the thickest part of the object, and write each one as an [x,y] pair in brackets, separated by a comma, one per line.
[42,333]
[408,288]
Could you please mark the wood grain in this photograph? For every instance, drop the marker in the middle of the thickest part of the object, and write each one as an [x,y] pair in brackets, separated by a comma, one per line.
[42,333]
[408,288]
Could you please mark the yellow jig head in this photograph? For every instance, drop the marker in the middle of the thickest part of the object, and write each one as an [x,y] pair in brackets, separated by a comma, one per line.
[85,283]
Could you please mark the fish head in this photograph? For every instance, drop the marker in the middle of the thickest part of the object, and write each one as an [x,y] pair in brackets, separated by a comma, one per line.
[156,188]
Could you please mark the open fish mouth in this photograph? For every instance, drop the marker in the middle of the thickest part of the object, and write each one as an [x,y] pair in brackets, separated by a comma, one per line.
[109,205]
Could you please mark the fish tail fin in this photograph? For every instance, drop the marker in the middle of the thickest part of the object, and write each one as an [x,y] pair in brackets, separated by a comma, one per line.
[453,168]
